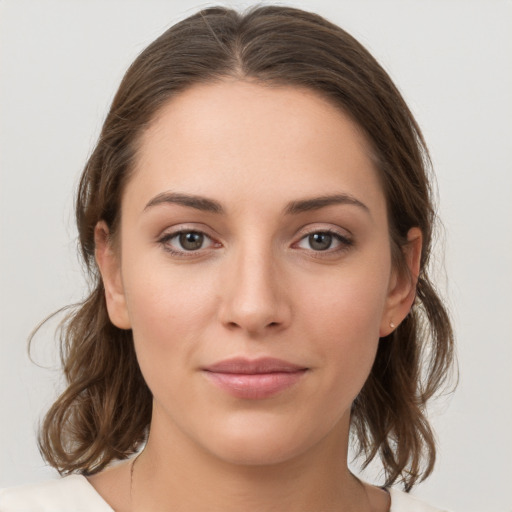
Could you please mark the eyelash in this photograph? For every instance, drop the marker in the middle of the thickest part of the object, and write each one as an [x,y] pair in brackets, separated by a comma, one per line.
[344,243]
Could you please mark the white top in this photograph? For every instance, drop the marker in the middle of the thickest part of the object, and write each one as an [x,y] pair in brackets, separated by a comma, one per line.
[74,493]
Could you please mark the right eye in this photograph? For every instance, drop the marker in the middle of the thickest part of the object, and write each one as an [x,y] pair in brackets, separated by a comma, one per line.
[190,240]
[186,241]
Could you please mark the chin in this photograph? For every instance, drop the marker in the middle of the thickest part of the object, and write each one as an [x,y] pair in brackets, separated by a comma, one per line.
[262,443]
[254,454]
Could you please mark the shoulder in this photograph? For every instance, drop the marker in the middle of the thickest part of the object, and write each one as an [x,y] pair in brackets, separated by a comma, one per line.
[71,493]
[403,502]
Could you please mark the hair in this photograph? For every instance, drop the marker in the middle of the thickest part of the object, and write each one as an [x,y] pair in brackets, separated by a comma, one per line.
[105,412]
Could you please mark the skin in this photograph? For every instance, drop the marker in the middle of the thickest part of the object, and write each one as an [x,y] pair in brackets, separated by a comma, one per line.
[256,287]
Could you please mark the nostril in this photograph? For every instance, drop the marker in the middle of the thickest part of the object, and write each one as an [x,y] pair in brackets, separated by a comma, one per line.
[235,325]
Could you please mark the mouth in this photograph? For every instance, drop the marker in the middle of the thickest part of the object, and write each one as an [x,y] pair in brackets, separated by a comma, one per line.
[254,379]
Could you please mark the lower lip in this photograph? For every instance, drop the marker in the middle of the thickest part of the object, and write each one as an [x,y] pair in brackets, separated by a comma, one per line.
[255,386]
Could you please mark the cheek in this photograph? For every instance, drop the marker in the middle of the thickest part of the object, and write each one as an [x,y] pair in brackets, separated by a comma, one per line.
[162,293]
[349,303]
[344,322]
[169,312]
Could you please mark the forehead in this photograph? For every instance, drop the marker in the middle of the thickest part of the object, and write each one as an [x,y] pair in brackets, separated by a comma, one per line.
[233,139]
[204,113]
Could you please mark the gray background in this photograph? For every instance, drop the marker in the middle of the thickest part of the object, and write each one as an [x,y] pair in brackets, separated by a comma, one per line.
[60,63]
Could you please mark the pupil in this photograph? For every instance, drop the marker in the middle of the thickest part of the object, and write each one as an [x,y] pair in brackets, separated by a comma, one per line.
[191,241]
[320,241]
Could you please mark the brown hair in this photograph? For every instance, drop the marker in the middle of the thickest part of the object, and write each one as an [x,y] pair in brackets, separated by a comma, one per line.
[104,413]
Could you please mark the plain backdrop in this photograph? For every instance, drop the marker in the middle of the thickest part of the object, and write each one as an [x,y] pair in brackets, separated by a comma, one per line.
[60,64]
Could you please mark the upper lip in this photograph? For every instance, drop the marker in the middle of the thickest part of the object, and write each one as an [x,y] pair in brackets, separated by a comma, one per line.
[242,365]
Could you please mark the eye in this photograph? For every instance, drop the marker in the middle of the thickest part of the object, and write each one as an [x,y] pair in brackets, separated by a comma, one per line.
[319,241]
[324,241]
[191,240]
[186,241]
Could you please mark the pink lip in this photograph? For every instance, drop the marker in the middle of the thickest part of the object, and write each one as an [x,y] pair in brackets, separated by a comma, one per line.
[254,379]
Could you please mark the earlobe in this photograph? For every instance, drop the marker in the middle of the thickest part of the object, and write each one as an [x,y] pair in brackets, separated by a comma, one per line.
[402,290]
[110,268]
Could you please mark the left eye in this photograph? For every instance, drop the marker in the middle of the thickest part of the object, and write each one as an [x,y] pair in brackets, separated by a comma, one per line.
[321,241]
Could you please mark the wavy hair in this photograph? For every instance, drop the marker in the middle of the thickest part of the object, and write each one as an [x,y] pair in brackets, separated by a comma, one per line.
[105,411]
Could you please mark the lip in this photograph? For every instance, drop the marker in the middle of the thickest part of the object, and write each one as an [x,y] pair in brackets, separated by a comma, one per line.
[254,379]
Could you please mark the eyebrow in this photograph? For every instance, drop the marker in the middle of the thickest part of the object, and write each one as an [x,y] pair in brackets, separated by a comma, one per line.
[192,201]
[292,208]
[315,203]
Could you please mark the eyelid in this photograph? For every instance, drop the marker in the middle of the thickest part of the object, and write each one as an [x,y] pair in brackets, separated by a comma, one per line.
[186,227]
[324,228]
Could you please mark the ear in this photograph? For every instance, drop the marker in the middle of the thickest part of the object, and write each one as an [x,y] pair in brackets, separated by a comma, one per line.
[402,285]
[110,268]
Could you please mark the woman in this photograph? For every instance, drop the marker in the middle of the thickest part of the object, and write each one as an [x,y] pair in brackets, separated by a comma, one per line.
[257,221]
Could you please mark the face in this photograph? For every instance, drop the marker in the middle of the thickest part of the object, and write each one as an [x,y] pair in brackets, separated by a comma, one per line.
[254,268]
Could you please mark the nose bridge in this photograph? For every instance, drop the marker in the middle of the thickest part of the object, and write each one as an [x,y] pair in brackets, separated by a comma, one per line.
[254,298]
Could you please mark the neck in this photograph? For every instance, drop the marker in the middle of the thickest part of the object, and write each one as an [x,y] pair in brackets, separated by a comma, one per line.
[174,474]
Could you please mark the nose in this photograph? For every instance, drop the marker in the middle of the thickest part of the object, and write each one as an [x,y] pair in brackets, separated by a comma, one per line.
[254,299]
